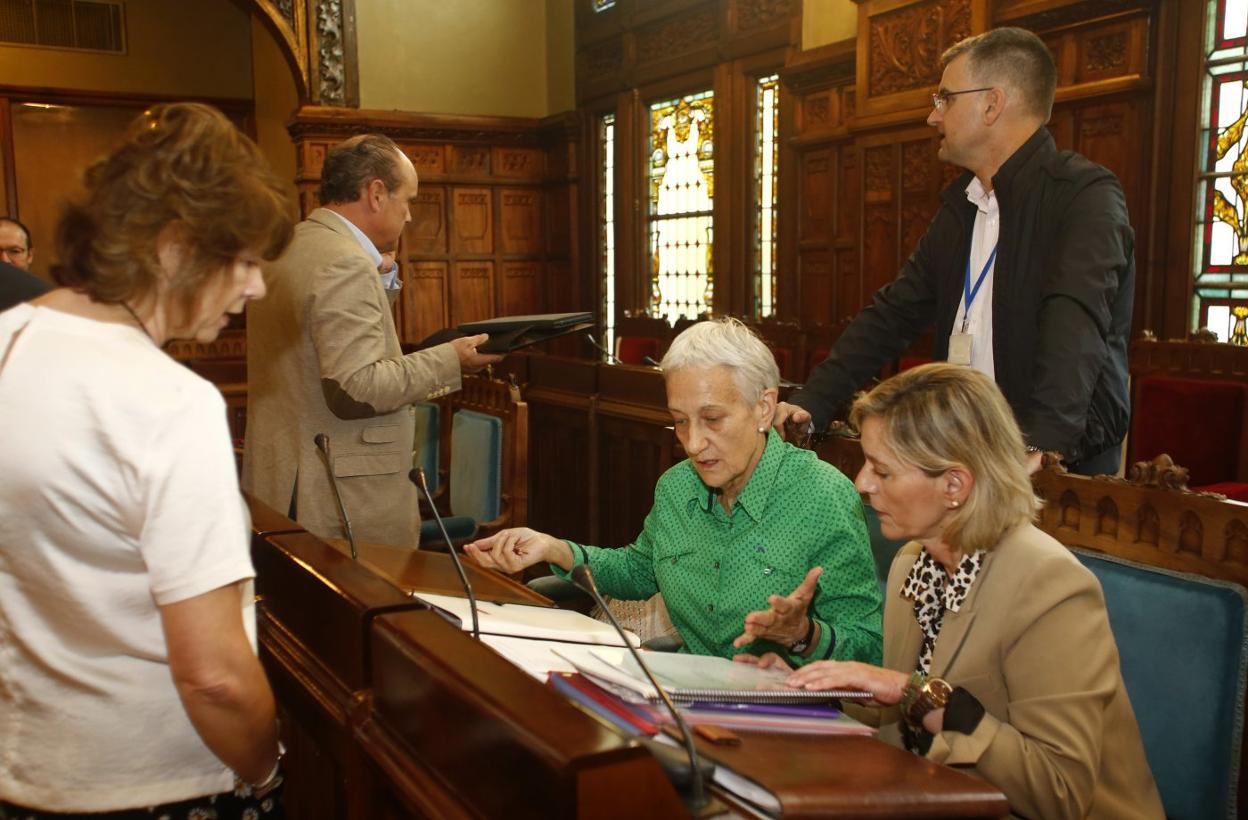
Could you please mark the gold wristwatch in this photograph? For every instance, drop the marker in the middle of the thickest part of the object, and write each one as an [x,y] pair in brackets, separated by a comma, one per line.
[922,695]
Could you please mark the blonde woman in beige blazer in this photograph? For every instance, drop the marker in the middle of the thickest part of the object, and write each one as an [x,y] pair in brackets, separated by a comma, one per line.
[998,655]
[323,356]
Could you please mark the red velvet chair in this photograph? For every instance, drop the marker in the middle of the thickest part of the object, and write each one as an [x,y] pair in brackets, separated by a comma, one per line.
[1199,424]
[635,349]
[783,357]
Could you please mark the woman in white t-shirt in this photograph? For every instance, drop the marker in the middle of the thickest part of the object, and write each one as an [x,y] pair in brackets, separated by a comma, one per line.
[129,682]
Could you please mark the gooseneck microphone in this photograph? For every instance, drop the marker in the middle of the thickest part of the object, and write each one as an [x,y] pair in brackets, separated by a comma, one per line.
[322,444]
[697,798]
[597,345]
[417,477]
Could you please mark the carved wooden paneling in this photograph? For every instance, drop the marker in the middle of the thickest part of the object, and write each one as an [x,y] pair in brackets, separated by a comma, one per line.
[312,156]
[819,111]
[426,233]
[675,35]
[900,46]
[850,186]
[753,14]
[560,226]
[470,160]
[518,163]
[849,294]
[485,194]
[561,288]
[472,292]
[425,302]
[521,288]
[427,159]
[472,217]
[816,195]
[817,287]
[641,450]
[520,218]
[905,44]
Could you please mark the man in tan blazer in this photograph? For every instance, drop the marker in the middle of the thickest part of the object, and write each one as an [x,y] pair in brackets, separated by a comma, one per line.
[323,356]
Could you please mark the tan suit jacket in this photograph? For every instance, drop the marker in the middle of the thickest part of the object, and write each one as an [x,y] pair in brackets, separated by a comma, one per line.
[323,357]
[1032,642]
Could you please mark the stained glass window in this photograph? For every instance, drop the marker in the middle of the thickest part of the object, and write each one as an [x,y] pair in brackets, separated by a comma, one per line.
[681,225]
[766,152]
[1222,227]
[606,144]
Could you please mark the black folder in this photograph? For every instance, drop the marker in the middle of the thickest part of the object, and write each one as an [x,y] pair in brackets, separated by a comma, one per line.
[508,333]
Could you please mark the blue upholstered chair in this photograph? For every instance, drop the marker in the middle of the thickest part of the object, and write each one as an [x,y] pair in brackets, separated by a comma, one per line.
[428,443]
[883,549]
[1183,641]
[487,450]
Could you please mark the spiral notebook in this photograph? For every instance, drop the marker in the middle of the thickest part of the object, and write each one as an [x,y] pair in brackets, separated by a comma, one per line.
[697,678]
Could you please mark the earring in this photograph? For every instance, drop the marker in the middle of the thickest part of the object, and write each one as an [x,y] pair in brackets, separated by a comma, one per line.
[762,429]
[954,503]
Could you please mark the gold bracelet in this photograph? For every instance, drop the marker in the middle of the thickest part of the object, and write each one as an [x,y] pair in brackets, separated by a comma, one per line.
[932,695]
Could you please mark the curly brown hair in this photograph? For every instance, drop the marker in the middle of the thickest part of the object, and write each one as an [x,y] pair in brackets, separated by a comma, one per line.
[183,172]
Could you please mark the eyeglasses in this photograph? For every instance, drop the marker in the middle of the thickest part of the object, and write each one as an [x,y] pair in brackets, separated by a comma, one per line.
[941,98]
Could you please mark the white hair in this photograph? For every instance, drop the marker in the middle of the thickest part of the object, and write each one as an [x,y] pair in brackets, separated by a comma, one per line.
[726,343]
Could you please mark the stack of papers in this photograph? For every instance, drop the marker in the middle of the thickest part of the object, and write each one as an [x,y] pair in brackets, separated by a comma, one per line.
[529,621]
[698,678]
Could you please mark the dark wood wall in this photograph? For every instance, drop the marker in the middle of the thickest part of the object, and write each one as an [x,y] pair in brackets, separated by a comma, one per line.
[494,223]
[859,176]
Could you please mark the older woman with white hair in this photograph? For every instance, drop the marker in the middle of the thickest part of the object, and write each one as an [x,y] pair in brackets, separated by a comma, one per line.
[754,543]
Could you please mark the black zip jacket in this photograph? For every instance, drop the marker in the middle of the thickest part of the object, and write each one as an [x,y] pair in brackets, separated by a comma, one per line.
[1061,302]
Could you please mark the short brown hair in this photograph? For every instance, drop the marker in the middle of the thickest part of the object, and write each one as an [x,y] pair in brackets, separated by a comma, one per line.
[181,166]
[941,415]
[1015,57]
[350,165]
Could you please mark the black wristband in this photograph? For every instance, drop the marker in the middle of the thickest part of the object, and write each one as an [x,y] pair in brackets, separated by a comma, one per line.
[963,712]
[800,646]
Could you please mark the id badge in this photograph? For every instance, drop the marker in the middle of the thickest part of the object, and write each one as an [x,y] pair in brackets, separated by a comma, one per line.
[960,348]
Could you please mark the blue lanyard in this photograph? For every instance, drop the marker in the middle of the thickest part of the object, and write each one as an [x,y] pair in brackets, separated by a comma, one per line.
[969,294]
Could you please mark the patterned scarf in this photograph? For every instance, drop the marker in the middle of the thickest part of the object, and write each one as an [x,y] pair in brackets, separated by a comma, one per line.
[933,592]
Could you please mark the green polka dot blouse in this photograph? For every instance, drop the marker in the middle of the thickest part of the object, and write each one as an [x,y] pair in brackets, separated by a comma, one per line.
[796,512]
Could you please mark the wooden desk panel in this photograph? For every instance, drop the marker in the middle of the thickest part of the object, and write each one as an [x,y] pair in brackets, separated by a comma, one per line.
[416,571]
[829,776]
[501,743]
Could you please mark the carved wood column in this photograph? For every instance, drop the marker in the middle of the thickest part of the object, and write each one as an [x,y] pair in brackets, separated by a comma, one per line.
[318,39]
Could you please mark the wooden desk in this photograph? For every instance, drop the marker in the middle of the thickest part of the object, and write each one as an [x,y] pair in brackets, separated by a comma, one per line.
[415,571]
[389,711]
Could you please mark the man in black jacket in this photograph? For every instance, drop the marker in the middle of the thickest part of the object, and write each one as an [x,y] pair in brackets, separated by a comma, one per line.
[17,286]
[1026,272]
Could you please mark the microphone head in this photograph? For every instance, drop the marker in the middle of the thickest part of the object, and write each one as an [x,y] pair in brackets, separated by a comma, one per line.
[322,442]
[583,577]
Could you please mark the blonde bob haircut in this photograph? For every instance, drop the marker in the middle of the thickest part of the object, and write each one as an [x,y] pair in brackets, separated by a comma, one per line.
[726,343]
[941,415]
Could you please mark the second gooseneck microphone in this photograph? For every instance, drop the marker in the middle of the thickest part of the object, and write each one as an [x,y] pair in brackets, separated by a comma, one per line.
[597,345]
[417,477]
[322,443]
[697,798]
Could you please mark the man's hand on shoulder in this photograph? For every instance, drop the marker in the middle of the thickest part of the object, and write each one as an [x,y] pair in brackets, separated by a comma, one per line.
[790,419]
[470,361]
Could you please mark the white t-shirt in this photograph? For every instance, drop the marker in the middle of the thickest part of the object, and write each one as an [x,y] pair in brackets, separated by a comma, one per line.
[118,492]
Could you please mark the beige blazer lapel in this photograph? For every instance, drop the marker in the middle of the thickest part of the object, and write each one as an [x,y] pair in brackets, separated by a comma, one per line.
[957,625]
